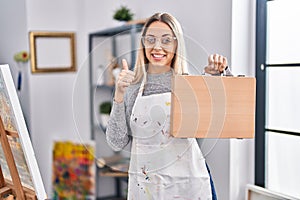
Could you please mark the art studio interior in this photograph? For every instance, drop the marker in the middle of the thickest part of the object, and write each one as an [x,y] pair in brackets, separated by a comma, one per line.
[63,57]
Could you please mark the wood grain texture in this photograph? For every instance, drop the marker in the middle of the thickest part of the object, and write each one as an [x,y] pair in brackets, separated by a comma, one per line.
[13,187]
[213,107]
[11,163]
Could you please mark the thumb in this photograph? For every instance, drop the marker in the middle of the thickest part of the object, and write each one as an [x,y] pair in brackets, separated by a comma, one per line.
[125,65]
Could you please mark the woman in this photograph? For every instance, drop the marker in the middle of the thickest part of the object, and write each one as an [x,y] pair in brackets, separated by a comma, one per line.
[161,166]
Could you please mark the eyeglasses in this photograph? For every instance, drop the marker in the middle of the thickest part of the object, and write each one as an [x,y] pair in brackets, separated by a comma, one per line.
[167,41]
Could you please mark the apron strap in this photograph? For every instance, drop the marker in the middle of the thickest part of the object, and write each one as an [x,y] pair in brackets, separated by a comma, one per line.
[141,90]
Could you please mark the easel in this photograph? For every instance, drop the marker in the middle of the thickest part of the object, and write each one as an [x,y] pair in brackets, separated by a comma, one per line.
[13,187]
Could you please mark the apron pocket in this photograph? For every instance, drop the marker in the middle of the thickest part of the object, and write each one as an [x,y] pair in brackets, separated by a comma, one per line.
[166,187]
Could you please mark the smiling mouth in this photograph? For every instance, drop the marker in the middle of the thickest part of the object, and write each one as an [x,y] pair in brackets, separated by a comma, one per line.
[158,55]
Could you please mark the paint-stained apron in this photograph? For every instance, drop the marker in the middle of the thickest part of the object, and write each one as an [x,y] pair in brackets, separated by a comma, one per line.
[161,166]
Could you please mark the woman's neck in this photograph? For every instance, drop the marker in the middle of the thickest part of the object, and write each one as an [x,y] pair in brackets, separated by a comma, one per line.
[155,69]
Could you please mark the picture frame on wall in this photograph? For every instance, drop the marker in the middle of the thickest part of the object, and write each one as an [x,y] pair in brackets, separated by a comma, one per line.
[52,51]
[17,157]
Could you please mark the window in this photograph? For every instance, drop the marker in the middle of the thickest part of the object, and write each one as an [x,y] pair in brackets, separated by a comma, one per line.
[278,96]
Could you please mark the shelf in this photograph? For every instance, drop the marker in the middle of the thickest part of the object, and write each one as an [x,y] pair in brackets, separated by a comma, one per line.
[110,173]
[111,198]
[105,87]
[125,29]
[119,177]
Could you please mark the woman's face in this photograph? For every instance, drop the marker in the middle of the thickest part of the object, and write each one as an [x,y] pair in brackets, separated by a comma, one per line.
[160,45]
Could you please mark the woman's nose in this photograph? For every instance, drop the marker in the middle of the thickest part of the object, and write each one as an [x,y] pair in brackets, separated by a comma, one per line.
[157,44]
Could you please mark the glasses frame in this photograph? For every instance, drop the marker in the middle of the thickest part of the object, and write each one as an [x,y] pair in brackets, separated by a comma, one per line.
[156,40]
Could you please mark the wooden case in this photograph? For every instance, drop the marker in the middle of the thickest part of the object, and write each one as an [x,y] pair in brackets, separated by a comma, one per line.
[213,107]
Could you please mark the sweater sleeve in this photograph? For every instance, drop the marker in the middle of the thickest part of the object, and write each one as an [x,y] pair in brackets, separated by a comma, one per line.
[118,131]
[117,135]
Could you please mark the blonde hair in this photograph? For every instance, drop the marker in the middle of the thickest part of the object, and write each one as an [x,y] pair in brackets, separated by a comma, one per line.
[179,64]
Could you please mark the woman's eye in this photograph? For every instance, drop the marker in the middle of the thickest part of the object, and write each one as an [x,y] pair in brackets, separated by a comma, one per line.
[166,40]
[151,40]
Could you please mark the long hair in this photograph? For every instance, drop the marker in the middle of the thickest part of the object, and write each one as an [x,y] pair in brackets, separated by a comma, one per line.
[178,64]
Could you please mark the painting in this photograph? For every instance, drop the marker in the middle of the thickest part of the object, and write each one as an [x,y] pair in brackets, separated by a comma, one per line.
[20,145]
[73,175]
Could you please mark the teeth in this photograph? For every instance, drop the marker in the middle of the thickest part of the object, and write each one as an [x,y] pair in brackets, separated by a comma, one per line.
[158,55]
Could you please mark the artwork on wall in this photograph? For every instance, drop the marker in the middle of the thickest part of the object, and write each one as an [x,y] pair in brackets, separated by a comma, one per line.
[73,174]
[18,138]
[52,52]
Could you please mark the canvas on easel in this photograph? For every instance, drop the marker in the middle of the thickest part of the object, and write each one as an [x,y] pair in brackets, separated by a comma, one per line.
[19,168]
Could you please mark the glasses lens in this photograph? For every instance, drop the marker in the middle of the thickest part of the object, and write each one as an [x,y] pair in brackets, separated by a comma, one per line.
[165,41]
[149,41]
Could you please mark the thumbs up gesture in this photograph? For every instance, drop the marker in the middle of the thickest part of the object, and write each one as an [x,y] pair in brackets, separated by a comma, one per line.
[125,78]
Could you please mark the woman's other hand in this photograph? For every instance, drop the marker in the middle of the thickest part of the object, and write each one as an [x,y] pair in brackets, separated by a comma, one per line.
[125,78]
[216,64]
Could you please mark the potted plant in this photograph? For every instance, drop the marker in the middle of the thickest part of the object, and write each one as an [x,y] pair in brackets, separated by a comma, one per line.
[123,14]
[104,110]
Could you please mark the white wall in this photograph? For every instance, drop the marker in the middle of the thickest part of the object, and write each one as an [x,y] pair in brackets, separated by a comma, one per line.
[14,39]
[243,62]
[52,93]
[60,101]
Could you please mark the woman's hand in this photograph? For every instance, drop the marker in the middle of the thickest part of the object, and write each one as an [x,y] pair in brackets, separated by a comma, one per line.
[125,78]
[216,64]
